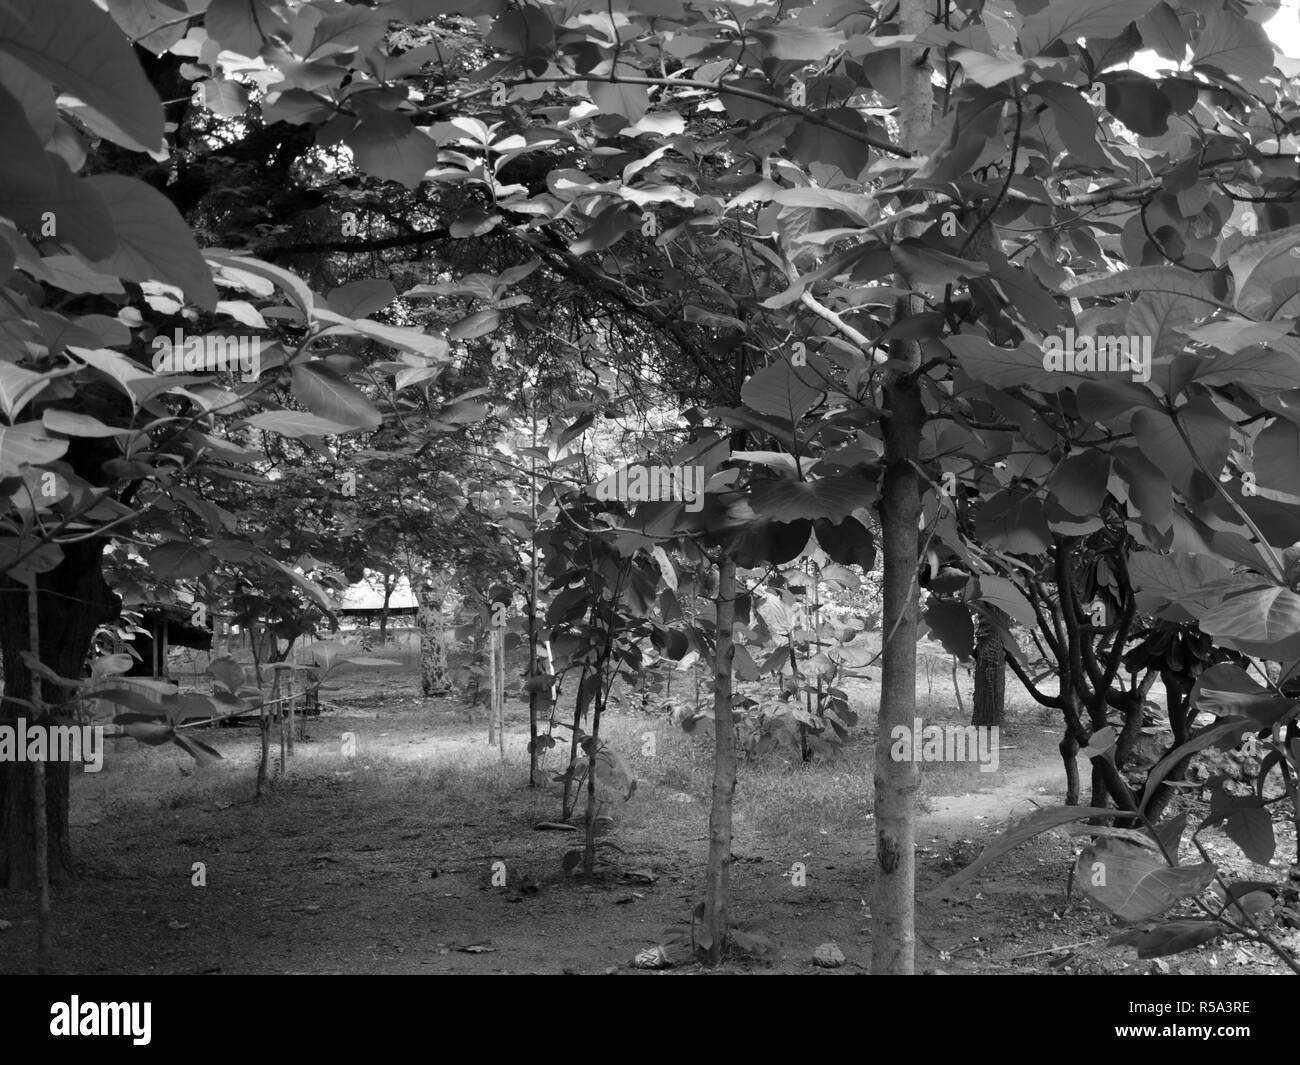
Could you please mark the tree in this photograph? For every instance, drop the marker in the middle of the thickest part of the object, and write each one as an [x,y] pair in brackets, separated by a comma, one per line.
[990,671]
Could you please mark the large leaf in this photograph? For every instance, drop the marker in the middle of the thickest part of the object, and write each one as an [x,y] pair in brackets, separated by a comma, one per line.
[1206,429]
[950,623]
[833,498]
[1260,370]
[1004,595]
[309,587]
[1277,462]
[848,542]
[393,336]
[290,284]
[347,27]
[24,166]
[630,101]
[1233,45]
[785,391]
[1169,937]
[764,542]
[152,24]
[18,387]
[26,444]
[387,146]
[1008,522]
[360,299]
[1162,31]
[998,367]
[178,560]
[1068,20]
[1228,691]
[1079,483]
[1251,829]
[1176,578]
[80,49]
[22,558]
[1076,123]
[803,43]
[1254,252]
[1170,279]
[324,392]
[989,70]
[296,423]
[1264,622]
[153,241]
[243,26]
[608,229]
[79,214]
[1135,884]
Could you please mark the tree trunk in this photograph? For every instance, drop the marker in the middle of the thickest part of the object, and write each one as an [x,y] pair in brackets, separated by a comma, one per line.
[580,705]
[893,931]
[534,637]
[492,686]
[501,692]
[390,584]
[74,599]
[429,596]
[990,672]
[712,941]
[593,803]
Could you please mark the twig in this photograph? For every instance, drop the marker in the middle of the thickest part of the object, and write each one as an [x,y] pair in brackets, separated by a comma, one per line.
[1050,950]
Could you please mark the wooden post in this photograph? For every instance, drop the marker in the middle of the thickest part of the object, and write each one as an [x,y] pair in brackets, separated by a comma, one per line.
[291,713]
[264,724]
[283,689]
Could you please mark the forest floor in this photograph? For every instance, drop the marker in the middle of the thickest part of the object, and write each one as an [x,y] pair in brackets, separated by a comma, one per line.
[383,862]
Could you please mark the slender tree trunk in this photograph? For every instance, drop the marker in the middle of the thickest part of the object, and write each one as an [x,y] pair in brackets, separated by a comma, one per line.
[990,672]
[501,692]
[492,686]
[255,645]
[712,942]
[478,661]
[580,705]
[893,933]
[534,590]
[429,596]
[73,600]
[593,805]
[390,583]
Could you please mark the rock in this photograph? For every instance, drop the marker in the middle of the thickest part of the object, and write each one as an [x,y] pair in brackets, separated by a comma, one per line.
[828,956]
[652,958]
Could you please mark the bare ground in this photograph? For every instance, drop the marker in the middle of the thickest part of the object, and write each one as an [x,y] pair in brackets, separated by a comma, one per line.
[383,863]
